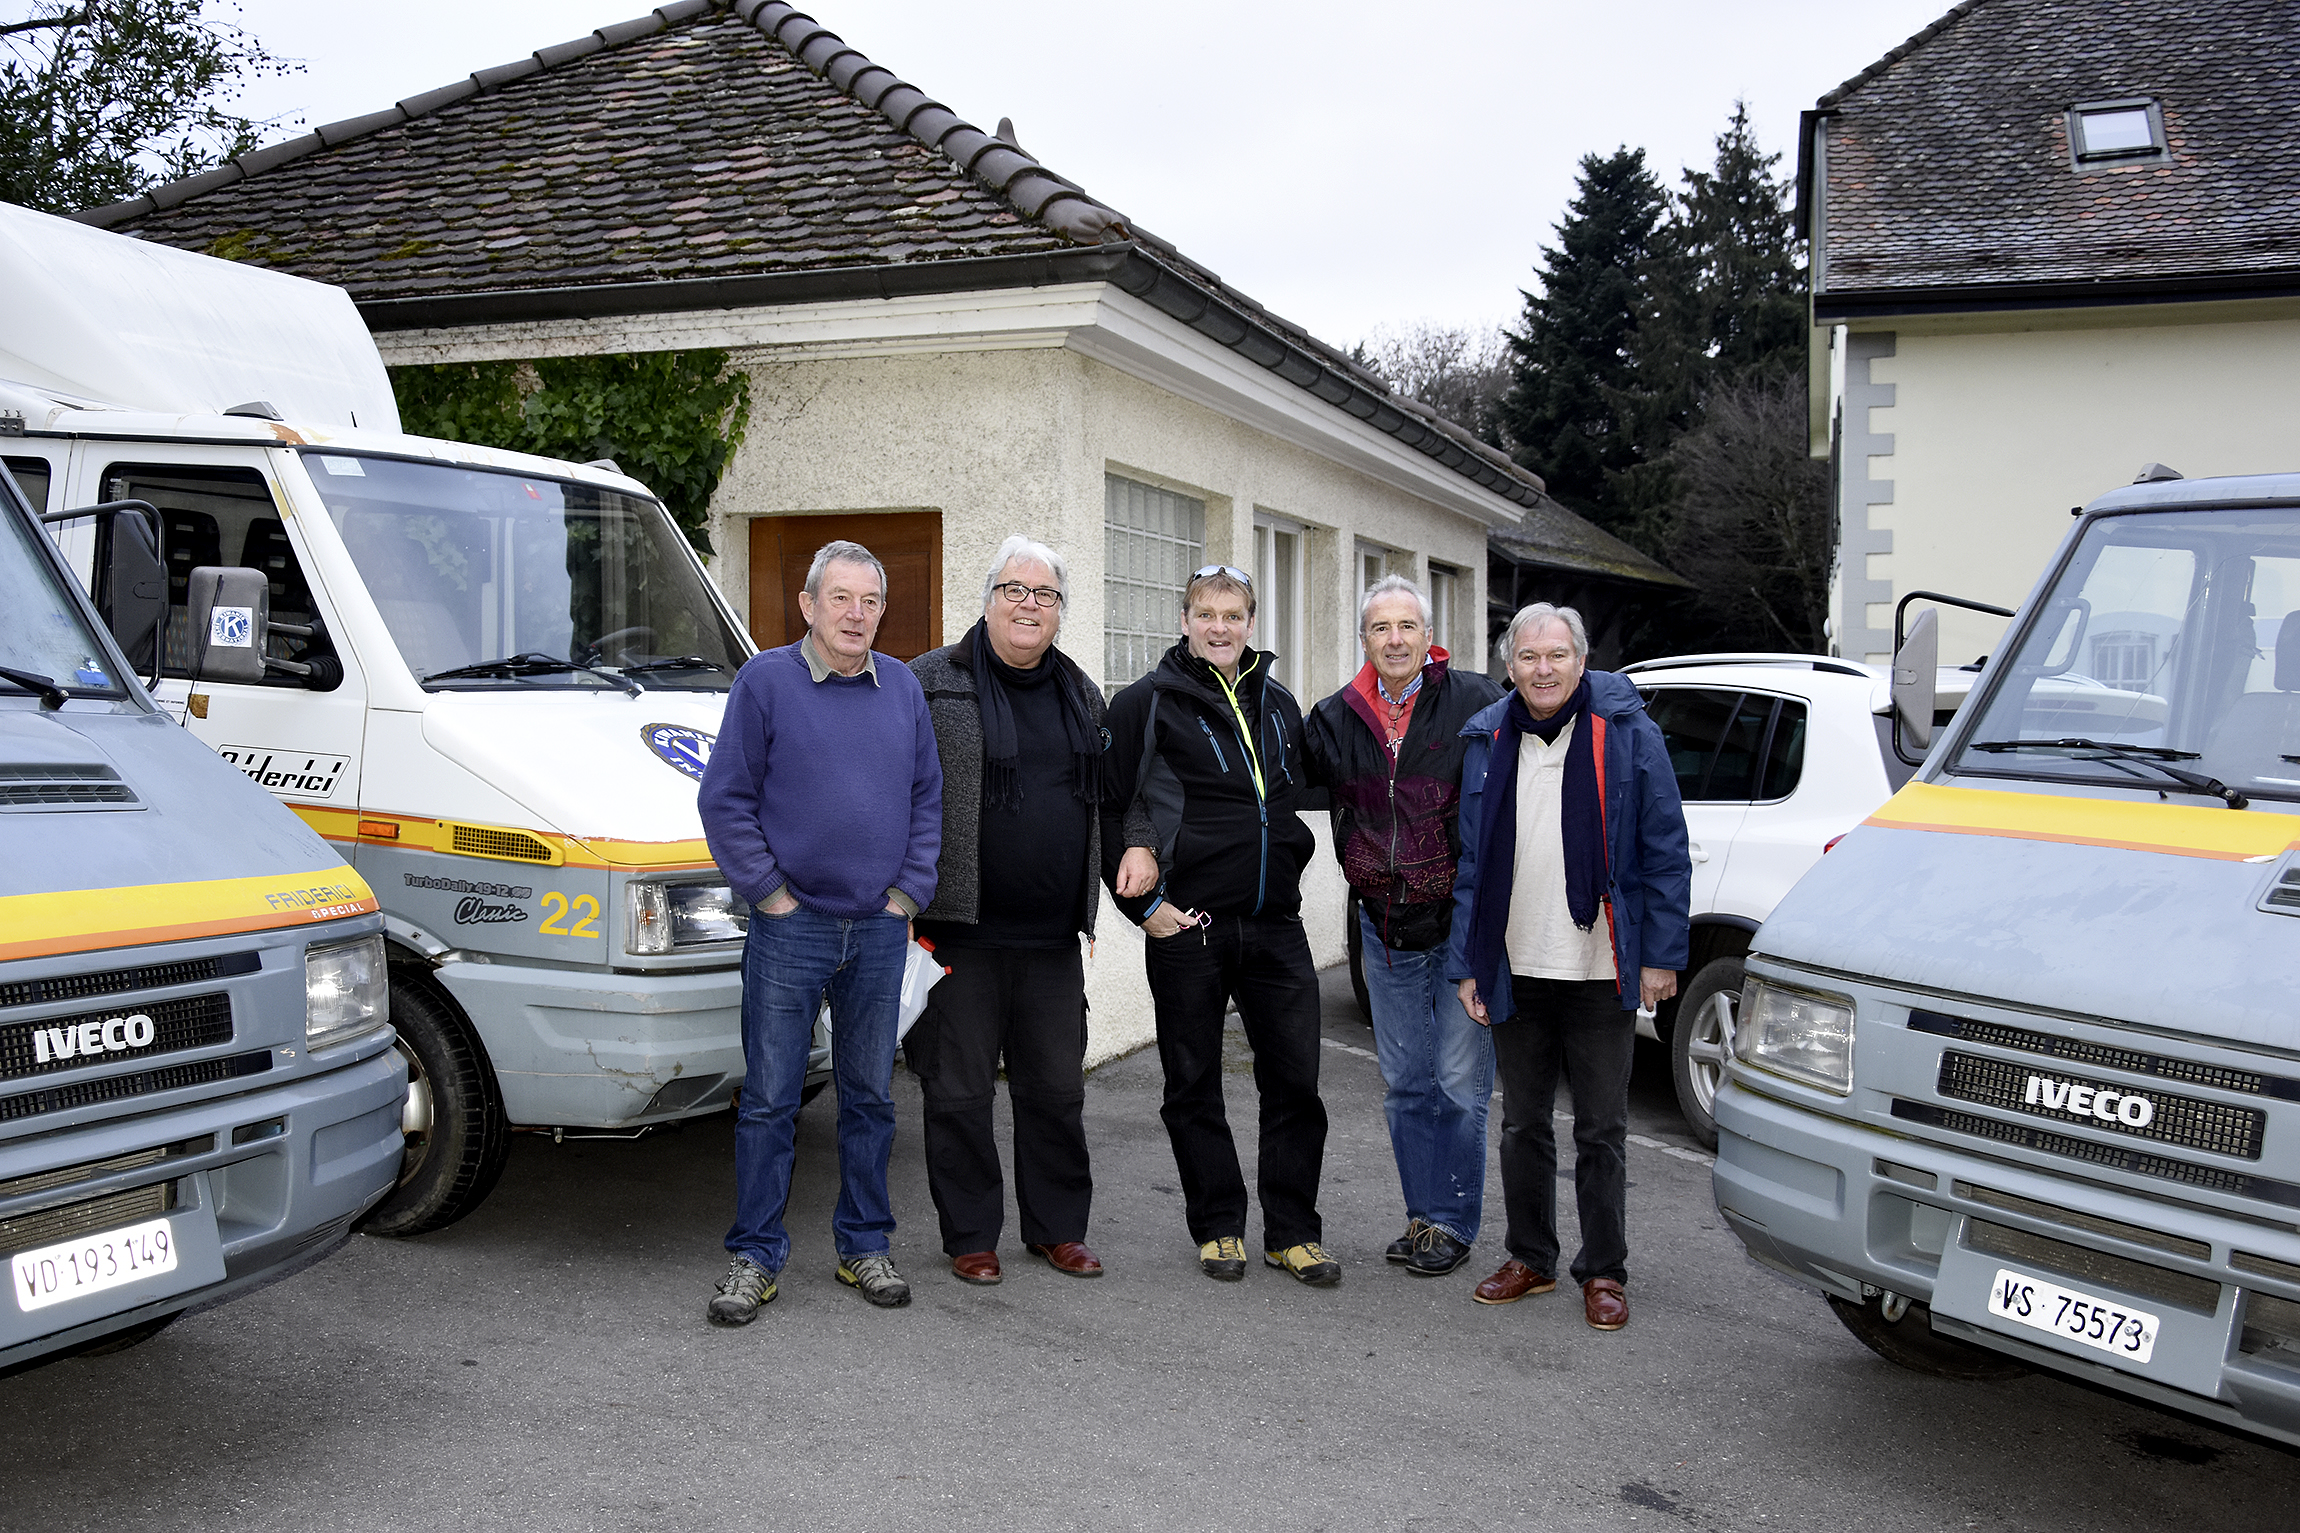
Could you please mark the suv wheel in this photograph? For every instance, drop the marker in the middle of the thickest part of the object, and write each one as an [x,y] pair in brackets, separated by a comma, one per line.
[1700,1040]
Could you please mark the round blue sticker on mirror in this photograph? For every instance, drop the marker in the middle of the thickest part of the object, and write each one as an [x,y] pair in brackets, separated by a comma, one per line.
[687,749]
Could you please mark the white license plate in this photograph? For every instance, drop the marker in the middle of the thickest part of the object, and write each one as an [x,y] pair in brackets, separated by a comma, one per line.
[93,1263]
[2102,1324]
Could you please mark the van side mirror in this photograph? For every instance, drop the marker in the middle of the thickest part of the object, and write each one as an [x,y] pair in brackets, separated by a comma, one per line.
[231,610]
[1915,667]
[132,598]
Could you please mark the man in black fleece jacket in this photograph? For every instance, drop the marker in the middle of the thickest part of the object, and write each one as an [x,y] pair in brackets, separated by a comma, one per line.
[1210,745]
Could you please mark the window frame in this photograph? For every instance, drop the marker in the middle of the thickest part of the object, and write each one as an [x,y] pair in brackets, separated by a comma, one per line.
[1281,596]
[2082,159]
[1113,576]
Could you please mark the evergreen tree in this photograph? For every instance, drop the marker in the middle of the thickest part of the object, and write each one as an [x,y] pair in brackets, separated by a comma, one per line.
[1734,226]
[1574,355]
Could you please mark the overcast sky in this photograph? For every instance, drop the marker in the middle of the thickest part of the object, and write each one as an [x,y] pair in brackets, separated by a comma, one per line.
[1349,164]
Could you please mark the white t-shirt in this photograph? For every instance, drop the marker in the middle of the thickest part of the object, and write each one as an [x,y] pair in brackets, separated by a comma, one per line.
[1542,940]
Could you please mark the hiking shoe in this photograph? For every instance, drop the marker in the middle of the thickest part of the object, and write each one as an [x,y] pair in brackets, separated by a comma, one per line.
[1437,1253]
[874,1274]
[746,1286]
[1402,1248]
[1224,1257]
[1309,1262]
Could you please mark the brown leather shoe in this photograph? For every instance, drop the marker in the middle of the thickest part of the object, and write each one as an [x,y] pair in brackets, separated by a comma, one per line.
[978,1267]
[1604,1304]
[1513,1282]
[1070,1256]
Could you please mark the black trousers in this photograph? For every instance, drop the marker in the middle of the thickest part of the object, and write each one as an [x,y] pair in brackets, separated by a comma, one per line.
[1576,1026]
[1262,962]
[1027,1006]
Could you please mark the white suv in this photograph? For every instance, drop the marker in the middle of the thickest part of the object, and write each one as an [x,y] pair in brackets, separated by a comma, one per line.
[1776,757]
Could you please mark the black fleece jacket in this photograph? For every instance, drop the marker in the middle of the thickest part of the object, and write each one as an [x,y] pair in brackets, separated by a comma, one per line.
[1223,787]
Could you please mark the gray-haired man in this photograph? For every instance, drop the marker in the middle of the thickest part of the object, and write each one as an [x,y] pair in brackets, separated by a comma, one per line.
[1019,726]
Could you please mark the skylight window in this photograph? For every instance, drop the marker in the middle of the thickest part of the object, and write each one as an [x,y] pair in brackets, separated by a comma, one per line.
[2115,132]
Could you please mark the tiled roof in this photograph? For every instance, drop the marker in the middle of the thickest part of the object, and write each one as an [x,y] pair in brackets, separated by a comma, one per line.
[1948,164]
[1552,537]
[716,153]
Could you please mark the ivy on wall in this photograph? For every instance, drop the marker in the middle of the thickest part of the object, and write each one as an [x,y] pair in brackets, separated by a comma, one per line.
[669,419]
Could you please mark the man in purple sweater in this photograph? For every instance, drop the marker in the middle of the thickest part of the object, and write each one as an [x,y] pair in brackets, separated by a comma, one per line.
[823,806]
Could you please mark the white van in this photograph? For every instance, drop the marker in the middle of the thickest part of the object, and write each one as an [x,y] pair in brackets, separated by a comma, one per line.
[491,681]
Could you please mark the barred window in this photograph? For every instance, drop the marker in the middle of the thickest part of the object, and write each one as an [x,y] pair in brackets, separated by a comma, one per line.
[1152,539]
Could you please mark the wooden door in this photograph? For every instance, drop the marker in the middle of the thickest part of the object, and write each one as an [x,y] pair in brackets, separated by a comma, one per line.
[908,543]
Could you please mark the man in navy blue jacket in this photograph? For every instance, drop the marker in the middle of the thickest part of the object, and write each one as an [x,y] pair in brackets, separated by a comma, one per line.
[823,806]
[1571,911]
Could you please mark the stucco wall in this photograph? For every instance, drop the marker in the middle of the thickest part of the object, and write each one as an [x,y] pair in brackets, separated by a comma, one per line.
[1018,440]
[1992,435]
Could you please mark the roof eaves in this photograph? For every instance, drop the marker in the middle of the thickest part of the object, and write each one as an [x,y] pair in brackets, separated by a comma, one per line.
[329,135]
[1894,55]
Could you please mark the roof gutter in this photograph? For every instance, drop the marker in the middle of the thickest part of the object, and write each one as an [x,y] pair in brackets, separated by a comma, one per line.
[2014,297]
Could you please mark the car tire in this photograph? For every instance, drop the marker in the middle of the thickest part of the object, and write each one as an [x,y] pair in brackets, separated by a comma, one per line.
[1912,1342]
[1700,1038]
[1355,936]
[453,1160]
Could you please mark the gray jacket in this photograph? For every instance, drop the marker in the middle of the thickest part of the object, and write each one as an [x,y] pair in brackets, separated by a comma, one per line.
[952,704]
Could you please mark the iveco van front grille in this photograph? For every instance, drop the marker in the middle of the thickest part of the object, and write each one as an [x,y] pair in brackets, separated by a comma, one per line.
[111,1088]
[150,976]
[2113,1157]
[62,785]
[2190,1122]
[108,1212]
[2104,1056]
[49,1044]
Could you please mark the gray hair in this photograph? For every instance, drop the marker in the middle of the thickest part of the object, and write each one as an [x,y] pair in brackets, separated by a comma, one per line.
[1392,585]
[1534,616]
[1030,550]
[840,551]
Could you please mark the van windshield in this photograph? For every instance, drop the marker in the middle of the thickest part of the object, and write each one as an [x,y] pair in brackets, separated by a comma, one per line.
[493,580]
[2171,640]
[45,634]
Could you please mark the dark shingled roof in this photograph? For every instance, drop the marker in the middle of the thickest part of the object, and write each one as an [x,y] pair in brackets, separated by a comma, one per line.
[1948,164]
[719,154]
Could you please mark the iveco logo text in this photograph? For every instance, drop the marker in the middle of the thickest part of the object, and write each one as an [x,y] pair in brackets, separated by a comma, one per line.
[115,1035]
[2130,1109]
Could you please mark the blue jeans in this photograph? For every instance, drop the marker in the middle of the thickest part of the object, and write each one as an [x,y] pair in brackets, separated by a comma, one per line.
[788,962]
[1438,1064]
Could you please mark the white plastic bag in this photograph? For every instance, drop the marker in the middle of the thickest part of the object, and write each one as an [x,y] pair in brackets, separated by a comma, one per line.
[921,972]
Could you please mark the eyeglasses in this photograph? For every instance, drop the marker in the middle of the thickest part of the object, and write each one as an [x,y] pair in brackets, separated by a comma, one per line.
[1230,570]
[1014,592]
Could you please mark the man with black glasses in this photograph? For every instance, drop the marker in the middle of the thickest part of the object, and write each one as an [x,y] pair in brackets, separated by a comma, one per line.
[1209,745]
[1019,729]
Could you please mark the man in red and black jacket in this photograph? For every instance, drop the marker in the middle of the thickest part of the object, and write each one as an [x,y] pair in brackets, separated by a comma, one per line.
[1388,747]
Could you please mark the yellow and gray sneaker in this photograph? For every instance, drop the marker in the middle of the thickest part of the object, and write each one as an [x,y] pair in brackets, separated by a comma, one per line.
[874,1274]
[1224,1257]
[1309,1262]
[746,1286]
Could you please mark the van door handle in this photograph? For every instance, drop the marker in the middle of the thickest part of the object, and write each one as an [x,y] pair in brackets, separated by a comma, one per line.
[1698,854]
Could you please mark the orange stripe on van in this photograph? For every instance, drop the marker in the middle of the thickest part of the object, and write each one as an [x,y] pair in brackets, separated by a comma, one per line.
[422,833]
[2176,830]
[86,920]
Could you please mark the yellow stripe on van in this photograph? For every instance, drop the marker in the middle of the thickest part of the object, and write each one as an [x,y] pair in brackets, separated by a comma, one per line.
[419,833]
[2179,830]
[85,920]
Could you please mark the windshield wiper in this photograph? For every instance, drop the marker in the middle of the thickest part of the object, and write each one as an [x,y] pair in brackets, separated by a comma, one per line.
[2156,757]
[675,663]
[51,695]
[530,663]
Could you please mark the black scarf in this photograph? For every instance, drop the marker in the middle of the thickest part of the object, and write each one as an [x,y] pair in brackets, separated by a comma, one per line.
[1581,820]
[1001,749]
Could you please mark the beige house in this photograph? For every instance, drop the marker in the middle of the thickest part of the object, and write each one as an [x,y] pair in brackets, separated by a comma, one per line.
[2052,242]
[947,343]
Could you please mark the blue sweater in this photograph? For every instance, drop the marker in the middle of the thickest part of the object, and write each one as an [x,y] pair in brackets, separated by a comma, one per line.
[832,787]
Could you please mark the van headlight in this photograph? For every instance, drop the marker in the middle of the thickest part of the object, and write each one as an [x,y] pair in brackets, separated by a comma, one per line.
[661,918]
[346,990]
[1804,1034]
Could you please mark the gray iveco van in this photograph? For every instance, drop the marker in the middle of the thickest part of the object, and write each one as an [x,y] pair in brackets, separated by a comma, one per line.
[2016,1071]
[198,1089]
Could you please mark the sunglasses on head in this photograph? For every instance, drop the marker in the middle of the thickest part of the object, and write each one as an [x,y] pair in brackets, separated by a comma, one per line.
[1230,570]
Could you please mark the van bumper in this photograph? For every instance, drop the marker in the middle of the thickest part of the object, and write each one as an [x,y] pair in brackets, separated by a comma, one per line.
[582,1049]
[1854,1213]
[311,1156]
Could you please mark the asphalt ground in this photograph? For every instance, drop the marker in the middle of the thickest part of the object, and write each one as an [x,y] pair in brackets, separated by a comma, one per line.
[545,1365]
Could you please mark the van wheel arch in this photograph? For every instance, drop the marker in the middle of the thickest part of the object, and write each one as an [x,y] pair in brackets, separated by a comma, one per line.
[457,1136]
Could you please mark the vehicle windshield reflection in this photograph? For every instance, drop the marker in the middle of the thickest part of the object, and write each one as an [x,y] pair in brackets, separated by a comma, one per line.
[469,566]
[2172,635]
